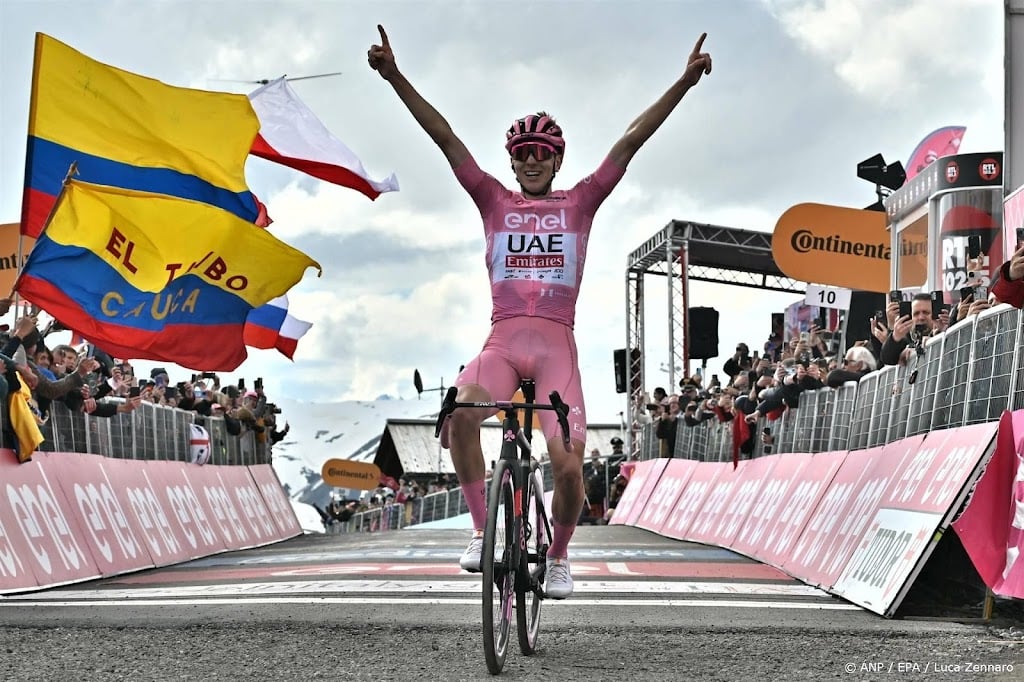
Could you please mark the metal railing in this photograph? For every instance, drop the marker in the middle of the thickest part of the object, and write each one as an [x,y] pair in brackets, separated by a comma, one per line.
[150,432]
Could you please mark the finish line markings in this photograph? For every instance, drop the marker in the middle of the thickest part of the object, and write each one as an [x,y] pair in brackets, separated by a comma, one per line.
[697,603]
[416,587]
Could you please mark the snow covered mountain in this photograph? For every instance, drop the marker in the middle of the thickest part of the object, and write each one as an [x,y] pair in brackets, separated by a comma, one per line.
[343,430]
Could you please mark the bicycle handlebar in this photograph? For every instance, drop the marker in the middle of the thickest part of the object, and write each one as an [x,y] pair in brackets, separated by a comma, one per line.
[557,404]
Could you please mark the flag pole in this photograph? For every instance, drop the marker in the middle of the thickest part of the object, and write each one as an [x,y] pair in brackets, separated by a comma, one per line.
[72,171]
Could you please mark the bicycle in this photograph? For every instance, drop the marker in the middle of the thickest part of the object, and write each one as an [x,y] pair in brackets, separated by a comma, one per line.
[518,532]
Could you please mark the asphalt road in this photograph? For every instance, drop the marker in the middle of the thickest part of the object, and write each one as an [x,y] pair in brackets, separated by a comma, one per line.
[395,606]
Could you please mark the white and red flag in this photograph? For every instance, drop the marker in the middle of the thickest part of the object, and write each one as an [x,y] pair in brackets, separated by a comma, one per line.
[292,135]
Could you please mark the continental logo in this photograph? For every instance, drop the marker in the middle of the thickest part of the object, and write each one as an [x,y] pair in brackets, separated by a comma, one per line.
[805,241]
[334,472]
[344,473]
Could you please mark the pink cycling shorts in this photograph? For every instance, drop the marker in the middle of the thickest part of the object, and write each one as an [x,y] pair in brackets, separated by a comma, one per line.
[532,348]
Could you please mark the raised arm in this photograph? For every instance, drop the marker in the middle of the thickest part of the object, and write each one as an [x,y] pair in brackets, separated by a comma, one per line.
[382,60]
[640,130]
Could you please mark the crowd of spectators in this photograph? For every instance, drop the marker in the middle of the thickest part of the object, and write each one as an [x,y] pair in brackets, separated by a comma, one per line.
[88,380]
[761,386]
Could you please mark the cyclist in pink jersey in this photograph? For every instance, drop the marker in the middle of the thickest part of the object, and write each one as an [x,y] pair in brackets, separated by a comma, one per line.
[536,247]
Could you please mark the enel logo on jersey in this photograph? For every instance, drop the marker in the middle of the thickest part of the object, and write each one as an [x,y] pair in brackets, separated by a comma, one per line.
[547,221]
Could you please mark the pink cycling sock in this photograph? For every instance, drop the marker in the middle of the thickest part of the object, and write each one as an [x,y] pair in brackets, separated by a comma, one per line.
[559,548]
[476,499]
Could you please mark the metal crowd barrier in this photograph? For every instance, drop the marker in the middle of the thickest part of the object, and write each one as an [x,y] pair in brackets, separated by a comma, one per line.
[150,432]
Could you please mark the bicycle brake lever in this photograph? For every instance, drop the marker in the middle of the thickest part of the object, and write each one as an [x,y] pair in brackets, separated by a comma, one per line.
[447,407]
[562,410]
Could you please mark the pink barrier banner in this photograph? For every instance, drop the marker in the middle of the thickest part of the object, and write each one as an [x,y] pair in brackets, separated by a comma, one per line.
[921,491]
[101,501]
[690,502]
[992,527]
[180,525]
[633,499]
[67,517]
[15,574]
[834,527]
[663,499]
[277,502]
[795,508]
[244,500]
[715,505]
[762,527]
[146,486]
[729,504]
[51,538]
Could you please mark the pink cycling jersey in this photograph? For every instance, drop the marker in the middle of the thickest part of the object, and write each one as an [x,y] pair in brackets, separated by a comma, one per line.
[536,247]
[536,250]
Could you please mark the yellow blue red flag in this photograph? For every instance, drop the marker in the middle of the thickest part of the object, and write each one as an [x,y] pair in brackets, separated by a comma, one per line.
[155,277]
[126,130]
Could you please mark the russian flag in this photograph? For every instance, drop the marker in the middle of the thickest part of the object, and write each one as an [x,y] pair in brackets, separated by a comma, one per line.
[271,326]
[292,135]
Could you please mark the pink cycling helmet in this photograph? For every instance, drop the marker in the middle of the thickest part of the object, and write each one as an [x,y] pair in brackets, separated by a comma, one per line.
[539,127]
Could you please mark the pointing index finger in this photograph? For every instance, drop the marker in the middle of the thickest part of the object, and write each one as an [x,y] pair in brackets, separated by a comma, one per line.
[383,36]
[699,45]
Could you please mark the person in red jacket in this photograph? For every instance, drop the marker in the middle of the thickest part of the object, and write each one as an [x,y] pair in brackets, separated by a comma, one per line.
[1009,285]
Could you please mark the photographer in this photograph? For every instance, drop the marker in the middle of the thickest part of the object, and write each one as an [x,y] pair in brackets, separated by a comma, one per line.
[913,328]
[739,362]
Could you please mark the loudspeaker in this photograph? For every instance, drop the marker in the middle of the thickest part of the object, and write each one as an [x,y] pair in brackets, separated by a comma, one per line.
[703,333]
[619,362]
[863,305]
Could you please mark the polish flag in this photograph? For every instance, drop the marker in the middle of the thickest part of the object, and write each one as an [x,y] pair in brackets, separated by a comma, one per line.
[271,326]
[290,134]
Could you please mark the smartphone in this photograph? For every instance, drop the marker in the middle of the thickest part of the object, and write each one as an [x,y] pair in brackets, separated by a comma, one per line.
[895,296]
[981,293]
[171,392]
[133,392]
[974,246]
[767,430]
[880,317]
[805,337]
[936,304]
[258,384]
[905,308]
[241,384]
[1020,237]
[966,293]
[209,375]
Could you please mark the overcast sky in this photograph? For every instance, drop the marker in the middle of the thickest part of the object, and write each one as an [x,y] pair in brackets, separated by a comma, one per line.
[801,91]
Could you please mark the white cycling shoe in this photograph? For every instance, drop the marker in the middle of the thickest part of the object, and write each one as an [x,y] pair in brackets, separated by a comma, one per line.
[558,578]
[470,560]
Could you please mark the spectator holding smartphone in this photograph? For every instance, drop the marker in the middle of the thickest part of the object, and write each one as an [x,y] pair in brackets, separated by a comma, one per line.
[1008,286]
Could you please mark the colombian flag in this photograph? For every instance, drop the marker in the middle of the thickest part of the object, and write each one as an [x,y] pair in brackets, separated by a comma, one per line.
[155,277]
[125,130]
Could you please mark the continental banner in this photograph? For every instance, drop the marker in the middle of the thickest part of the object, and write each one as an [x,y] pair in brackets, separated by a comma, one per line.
[9,263]
[835,246]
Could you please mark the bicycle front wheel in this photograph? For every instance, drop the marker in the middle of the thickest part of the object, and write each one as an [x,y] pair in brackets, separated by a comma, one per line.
[538,537]
[498,566]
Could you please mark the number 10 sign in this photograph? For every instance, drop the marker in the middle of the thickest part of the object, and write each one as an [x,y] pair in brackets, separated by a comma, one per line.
[827,297]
